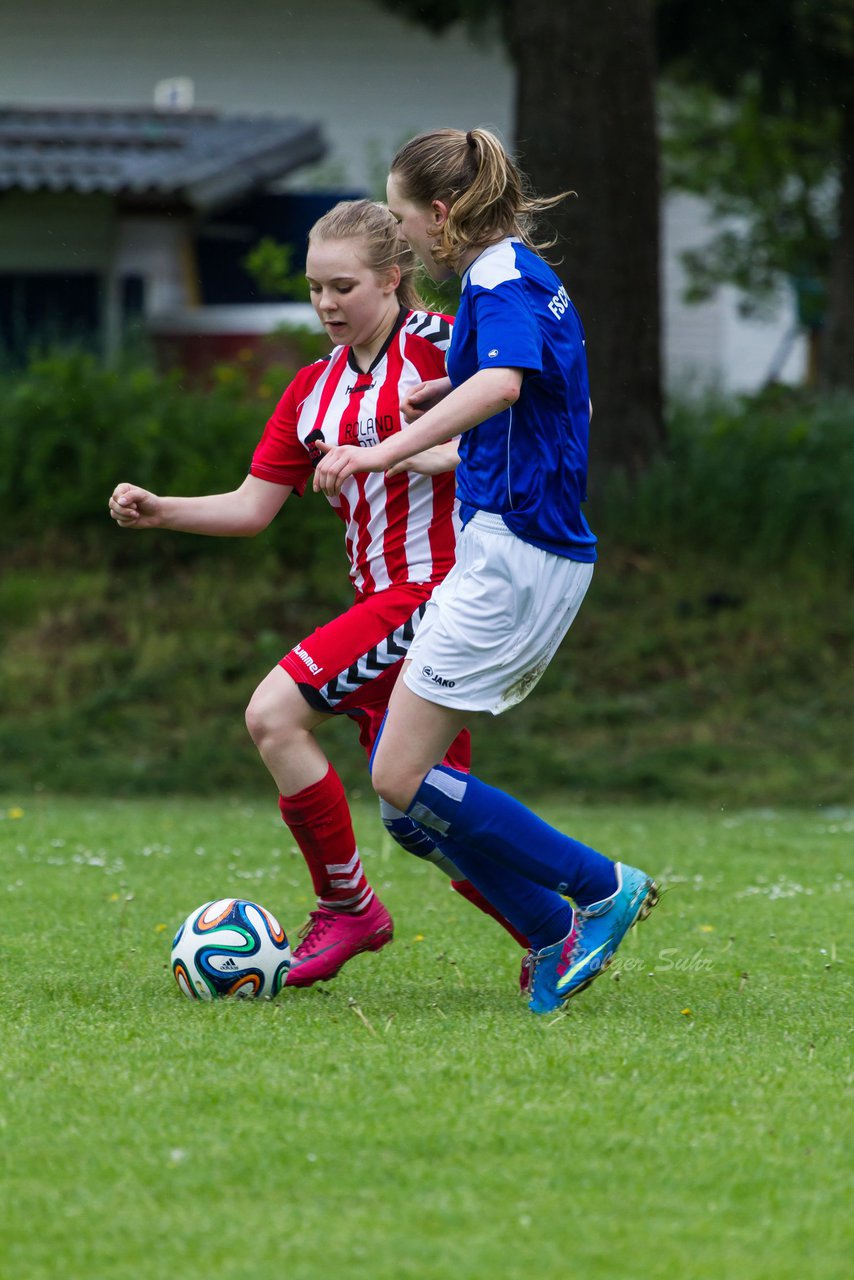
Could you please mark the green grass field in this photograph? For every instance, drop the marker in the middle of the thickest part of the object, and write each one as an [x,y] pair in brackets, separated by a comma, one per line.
[688,1117]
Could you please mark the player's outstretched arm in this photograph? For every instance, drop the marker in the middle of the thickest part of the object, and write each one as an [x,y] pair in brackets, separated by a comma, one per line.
[239,514]
[486,393]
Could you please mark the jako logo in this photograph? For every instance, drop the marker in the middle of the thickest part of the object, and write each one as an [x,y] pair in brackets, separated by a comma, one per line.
[440,680]
[493,353]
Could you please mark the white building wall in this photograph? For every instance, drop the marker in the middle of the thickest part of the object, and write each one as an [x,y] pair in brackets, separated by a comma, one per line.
[711,344]
[369,78]
[158,250]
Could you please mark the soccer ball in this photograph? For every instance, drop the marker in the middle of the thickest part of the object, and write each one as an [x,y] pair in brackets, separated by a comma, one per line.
[230,947]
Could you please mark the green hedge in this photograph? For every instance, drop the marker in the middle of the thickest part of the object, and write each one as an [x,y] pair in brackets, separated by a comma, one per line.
[72,430]
[767,480]
[711,659]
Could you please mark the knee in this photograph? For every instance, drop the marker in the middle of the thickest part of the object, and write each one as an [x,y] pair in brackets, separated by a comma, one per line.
[392,785]
[255,719]
[262,720]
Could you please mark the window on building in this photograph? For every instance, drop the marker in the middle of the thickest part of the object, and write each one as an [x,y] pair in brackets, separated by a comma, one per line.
[39,310]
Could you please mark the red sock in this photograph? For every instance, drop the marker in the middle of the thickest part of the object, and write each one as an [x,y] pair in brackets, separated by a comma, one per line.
[319,820]
[466,890]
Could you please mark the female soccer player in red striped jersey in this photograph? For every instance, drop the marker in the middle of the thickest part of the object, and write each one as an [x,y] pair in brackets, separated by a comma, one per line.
[400,534]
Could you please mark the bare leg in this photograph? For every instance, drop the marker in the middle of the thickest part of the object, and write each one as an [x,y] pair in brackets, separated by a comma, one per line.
[416,736]
[282,725]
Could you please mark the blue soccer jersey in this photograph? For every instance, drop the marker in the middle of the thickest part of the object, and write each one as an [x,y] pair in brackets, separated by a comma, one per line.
[528,464]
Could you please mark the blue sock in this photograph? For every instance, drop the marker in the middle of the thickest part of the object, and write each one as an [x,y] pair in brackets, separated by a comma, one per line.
[488,821]
[416,840]
[542,916]
[409,835]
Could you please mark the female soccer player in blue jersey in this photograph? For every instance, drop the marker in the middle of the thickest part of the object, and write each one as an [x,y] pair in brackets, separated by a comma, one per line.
[517,393]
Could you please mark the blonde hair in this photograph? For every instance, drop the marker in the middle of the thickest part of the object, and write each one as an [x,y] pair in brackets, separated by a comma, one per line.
[381,246]
[487,195]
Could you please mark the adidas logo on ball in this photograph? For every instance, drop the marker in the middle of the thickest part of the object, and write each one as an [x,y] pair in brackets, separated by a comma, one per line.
[230,947]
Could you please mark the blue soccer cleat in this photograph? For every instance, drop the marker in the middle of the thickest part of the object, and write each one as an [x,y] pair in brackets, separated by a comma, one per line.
[542,971]
[602,926]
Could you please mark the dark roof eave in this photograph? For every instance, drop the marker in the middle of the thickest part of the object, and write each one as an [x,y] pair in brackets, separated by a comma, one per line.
[244,176]
[201,160]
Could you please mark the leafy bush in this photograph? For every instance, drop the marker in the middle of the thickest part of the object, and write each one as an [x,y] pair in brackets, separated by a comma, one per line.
[707,663]
[73,429]
[768,480]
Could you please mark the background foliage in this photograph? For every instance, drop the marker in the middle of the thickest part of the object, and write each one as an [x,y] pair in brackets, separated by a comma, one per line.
[770,182]
[73,428]
[711,660]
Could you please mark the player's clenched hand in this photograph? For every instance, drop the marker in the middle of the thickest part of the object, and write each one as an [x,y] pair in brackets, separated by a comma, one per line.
[341,461]
[419,399]
[134,508]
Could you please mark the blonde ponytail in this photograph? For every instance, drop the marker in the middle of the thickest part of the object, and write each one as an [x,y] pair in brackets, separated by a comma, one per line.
[486,193]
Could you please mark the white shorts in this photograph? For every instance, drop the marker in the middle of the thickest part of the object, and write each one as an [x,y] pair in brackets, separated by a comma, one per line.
[492,627]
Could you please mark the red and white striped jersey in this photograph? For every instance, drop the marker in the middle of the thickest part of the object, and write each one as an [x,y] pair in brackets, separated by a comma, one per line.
[399,529]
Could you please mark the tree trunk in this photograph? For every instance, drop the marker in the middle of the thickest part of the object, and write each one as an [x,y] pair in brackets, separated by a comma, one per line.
[837,363]
[586,76]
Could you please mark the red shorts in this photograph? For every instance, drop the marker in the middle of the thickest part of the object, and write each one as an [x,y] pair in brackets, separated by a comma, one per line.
[350,665]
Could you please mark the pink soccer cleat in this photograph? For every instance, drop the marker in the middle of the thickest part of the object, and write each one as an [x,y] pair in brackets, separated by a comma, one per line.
[331,938]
